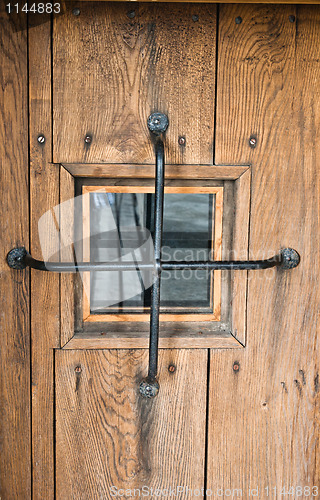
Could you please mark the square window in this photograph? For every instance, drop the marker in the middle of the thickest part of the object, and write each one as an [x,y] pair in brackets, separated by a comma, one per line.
[118,226]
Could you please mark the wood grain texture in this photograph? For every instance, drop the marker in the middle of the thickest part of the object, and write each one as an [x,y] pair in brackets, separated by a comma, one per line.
[217,172]
[15,417]
[107,435]
[67,237]
[44,195]
[291,2]
[180,336]
[240,251]
[111,72]
[264,418]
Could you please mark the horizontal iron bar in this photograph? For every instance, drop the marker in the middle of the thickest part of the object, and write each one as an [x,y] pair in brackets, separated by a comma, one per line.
[19,258]
[222,265]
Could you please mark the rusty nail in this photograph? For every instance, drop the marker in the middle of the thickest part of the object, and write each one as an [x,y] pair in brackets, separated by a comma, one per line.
[77,369]
[182,141]
[172,368]
[195,18]
[292,19]
[236,366]
[238,20]
[252,142]
[41,139]
[76,11]
[88,139]
[131,14]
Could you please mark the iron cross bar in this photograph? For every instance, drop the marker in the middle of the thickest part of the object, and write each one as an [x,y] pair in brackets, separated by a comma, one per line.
[19,258]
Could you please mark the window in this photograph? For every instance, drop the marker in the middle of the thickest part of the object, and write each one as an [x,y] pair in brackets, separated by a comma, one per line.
[118,223]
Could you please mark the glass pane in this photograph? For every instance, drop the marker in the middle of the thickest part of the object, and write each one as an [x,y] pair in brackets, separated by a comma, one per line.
[120,223]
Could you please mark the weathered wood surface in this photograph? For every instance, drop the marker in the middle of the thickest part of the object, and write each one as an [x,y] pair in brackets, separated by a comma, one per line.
[240,251]
[229,172]
[67,281]
[112,71]
[15,424]
[107,435]
[291,2]
[264,417]
[44,195]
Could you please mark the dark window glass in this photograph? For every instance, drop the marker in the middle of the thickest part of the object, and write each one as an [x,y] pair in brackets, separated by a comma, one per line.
[118,223]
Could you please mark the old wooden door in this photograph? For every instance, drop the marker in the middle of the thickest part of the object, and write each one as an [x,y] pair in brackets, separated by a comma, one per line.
[237,414]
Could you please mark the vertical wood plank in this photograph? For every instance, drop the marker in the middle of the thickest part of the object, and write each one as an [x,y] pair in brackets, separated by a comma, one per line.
[44,195]
[264,417]
[112,71]
[15,418]
[108,435]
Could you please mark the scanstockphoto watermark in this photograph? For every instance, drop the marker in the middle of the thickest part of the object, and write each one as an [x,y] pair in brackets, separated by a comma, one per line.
[197,255]
[174,492]
[292,491]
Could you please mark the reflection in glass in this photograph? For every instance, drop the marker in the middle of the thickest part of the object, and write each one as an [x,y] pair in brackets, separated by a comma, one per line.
[117,222]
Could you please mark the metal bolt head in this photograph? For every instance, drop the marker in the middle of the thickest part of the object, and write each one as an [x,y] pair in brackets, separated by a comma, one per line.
[78,369]
[171,368]
[76,11]
[41,139]
[238,20]
[252,142]
[88,139]
[149,388]
[195,18]
[131,14]
[15,258]
[182,141]
[292,19]
[289,258]
[158,123]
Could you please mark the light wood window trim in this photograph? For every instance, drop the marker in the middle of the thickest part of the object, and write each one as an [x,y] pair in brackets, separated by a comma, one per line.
[217,250]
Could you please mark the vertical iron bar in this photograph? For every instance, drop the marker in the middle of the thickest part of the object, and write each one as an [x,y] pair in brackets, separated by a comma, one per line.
[155,292]
[149,387]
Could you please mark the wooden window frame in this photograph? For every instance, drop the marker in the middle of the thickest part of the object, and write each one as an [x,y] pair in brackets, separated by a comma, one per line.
[230,332]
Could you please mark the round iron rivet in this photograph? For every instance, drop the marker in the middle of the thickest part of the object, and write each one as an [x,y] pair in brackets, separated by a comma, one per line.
[182,141]
[292,19]
[41,139]
[238,20]
[15,258]
[131,14]
[76,11]
[289,258]
[149,388]
[252,142]
[158,123]
[171,368]
[77,369]
[195,18]
[88,139]
[236,366]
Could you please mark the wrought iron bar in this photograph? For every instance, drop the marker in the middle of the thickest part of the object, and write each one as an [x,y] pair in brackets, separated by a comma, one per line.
[19,258]
[149,387]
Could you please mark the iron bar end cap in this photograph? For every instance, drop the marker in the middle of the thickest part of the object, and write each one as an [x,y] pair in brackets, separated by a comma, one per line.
[158,123]
[289,258]
[15,258]
[149,388]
